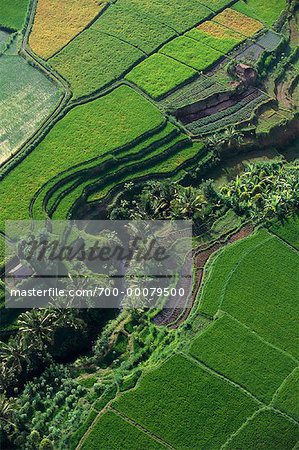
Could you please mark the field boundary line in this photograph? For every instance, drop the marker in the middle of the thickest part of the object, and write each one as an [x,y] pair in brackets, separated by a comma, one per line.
[140,427]
[261,338]
[235,433]
[215,373]
[122,40]
[233,270]
[276,393]
[288,244]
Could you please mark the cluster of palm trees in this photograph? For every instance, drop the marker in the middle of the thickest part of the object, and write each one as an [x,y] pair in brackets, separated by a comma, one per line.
[163,200]
[231,137]
[26,352]
[264,191]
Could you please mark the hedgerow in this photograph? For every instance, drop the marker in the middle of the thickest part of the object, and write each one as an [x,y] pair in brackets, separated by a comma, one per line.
[163,402]
[192,53]
[284,399]
[47,36]
[216,36]
[79,61]
[268,429]
[125,21]
[117,119]
[159,74]
[112,432]
[234,351]
[267,12]
[263,278]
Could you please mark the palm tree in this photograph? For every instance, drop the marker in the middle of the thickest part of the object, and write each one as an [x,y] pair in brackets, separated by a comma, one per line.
[187,203]
[13,358]
[37,327]
[6,412]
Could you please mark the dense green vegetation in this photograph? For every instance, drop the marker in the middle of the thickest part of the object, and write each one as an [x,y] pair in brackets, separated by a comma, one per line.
[22,84]
[258,9]
[159,75]
[111,432]
[13,13]
[191,53]
[234,351]
[284,398]
[289,231]
[266,430]
[167,398]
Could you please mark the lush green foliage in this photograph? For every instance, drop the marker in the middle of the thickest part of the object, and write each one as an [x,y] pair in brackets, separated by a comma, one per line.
[190,52]
[234,351]
[13,13]
[111,432]
[267,430]
[159,75]
[222,265]
[268,12]
[125,21]
[288,392]
[22,85]
[87,131]
[264,191]
[174,401]
[268,304]
[79,61]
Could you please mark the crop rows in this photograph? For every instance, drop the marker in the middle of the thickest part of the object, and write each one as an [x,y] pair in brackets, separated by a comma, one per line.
[238,22]
[270,40]
[240,112]
[267,12]
[199,89]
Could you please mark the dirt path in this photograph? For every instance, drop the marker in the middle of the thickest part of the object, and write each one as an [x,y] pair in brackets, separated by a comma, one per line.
[173,317]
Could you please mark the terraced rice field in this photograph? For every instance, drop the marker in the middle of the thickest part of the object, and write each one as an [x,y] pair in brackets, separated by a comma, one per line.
[13,13]
[48,36]
[216,36]
[27,98]
[238,22]
[267,12]
[70,143]
[192,53]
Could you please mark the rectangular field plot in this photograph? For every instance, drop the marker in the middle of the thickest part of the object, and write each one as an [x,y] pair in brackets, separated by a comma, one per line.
[27,98]
[270,41]
[234,351]
[192,53]
[267,430]
[222,265]
[216,36]
[181,16]
[115,120]
[186,406]
[266,11]
[13,13]
[238,22]
[94,60]
[48,36]
[111,432]
[125,21]
[159,75]
[262,293]
[289,231]
[287,396]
